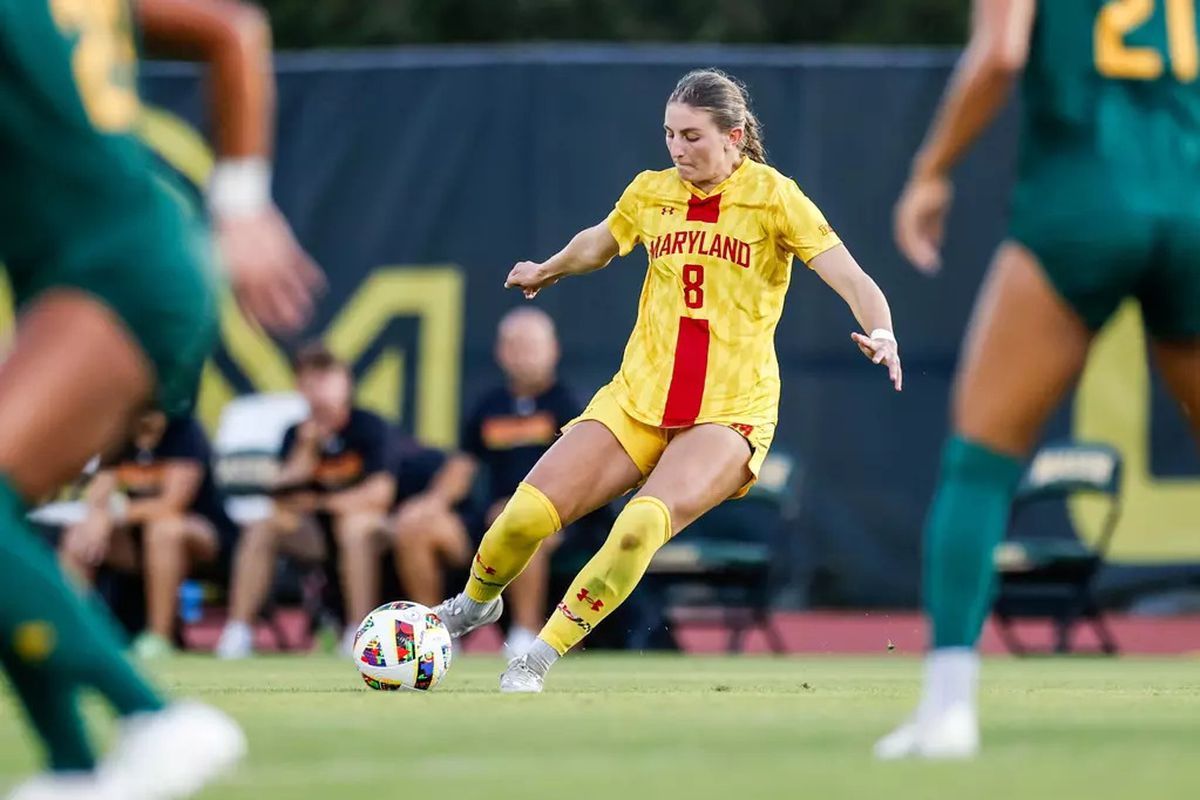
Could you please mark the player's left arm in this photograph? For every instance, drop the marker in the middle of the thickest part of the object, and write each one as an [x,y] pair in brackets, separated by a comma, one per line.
[181,480]
[866,300]
[377,491]
[978,89]
[272,276]
[373,494]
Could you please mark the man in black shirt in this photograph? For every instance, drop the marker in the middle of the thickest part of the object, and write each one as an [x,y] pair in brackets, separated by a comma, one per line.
[156,510]
[506,433]
[333,487]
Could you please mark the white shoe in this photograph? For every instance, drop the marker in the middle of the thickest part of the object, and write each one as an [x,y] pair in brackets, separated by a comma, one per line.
[236,642]
[150,646]
[519,678]
[64,786]
[458,619]
[173,753]
[519,641]
[952,733]
[347,646]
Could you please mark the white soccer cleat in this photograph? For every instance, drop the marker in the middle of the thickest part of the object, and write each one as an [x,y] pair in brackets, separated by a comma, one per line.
[63,786]
[519,678]
[236,642]
[173,753]
[346,648]
[949,734]
[456,615]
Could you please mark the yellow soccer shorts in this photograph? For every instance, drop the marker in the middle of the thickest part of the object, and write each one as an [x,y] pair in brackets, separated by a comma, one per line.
[645,443]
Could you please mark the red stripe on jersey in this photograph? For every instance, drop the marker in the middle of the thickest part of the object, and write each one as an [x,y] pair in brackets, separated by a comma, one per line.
[704,209]
[687,379]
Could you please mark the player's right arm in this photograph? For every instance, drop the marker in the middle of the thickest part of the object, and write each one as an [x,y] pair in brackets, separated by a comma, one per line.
[452,483]
[272,276]
[589,250]
[977,91]
[88,541]
[301,454]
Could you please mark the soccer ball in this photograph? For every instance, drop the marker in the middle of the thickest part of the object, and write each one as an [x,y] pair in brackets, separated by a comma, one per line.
[402,645]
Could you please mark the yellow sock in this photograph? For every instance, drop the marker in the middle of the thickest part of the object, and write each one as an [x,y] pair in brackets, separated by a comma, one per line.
[527,519]
[611,575]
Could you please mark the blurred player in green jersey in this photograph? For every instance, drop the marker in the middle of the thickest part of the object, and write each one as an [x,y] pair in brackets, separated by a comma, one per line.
[114,279]
[1106,206]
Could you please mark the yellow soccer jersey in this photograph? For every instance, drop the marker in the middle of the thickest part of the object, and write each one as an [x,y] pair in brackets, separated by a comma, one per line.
[703,348]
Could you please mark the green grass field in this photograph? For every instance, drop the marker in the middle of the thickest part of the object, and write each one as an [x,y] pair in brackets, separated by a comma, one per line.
[672,727]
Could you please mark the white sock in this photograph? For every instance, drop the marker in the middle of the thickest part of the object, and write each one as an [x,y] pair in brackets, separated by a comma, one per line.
[473,608]
[241,630]
[540,657]
[951,678]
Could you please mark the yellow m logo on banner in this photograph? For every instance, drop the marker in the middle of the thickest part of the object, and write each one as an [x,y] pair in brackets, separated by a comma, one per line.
[433,295]
[430,294]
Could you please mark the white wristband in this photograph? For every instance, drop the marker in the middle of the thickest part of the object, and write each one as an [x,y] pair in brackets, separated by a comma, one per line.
[239,187]
[883,333]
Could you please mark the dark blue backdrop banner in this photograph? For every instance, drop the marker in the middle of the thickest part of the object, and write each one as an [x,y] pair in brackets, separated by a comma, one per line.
[418,177]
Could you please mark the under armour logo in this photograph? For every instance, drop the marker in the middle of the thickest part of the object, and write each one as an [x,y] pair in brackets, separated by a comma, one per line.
[667,210]
[584,597]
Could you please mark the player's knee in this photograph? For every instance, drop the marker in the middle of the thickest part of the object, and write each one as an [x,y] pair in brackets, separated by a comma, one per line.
[408,537]
[165,532]
[259,537]
[527,515]
[645,524]
[408,524]
[356,528]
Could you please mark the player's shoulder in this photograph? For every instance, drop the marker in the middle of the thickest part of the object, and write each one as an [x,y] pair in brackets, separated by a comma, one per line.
[765,178]
[656,181]
[365,421]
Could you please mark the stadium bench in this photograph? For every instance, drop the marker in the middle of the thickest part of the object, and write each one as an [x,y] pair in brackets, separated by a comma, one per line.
[246,457]
[1050,576]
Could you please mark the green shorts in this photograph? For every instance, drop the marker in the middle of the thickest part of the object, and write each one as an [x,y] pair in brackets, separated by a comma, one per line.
[88,209]
[1101,240]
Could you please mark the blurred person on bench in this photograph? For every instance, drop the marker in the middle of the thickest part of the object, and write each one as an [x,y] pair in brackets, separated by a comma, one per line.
[504,436]
[332,495]
[155,510]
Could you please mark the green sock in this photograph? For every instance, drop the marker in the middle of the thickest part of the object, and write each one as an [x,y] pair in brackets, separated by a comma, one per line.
[39,614]
[54,714]
[966,521]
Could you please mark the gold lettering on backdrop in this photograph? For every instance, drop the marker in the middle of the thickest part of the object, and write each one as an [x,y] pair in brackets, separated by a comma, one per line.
[433,294]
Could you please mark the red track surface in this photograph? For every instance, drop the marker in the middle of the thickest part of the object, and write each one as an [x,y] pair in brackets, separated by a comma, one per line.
[837,632]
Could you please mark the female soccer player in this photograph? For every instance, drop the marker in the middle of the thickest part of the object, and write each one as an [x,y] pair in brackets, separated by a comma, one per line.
[691,413]
[116,297]
[1105,207]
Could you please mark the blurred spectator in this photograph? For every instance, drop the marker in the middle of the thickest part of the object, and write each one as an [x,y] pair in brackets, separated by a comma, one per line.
[332,494]
[506,433]
[155,510]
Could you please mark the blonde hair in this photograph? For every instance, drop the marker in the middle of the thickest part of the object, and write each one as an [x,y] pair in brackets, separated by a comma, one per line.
[728,101]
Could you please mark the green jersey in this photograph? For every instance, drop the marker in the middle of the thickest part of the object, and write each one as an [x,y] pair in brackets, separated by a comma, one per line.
[1108,177]
[1113,85]
[1108,191]
[85,205]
